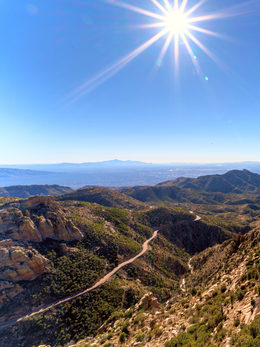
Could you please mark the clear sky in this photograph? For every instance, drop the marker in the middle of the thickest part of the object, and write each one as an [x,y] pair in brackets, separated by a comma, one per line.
[58,103]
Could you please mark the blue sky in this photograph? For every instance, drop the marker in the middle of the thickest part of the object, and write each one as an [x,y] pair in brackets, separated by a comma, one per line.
[49,48]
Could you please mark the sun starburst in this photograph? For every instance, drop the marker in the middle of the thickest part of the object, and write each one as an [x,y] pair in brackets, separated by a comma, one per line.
[174,21]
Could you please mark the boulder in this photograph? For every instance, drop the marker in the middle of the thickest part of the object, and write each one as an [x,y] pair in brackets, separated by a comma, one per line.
[38,218]
[18,264]
[148,301]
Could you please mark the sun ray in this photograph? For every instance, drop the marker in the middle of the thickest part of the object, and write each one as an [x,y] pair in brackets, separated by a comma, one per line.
[176,53]
[183,5]
[219,15]
[193,58]
[109,72]
[195,7]
[168,6]
[160,7]
[152,25]
[205,31]
[206,50]
[165,47]
[176,6]
[138,10]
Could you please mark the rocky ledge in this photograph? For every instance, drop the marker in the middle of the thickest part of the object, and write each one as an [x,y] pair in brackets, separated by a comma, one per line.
[36,219]
[23,222]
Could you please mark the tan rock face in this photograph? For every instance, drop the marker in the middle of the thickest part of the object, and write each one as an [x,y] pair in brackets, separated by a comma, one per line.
[36,219]
[31,220]
[147,301]
[8,290]
[18,263]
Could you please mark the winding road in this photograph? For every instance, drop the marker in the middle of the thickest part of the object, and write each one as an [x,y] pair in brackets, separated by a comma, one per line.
[99,283]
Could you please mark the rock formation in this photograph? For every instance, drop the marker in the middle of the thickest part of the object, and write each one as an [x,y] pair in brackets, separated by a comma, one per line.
[36,219]
[18,263]
[23,221]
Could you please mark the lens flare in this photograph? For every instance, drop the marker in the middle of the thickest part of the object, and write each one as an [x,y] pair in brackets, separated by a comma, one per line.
[174,22]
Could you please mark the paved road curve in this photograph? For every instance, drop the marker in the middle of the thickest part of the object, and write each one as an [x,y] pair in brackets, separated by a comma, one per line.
[99,283]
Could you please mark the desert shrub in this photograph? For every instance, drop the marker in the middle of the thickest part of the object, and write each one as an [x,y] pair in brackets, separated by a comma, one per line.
[115,316]
[129,313]
[139,337]
[110,335]
[221,335]
[252,274]
[125,326]
[172,343]
[223,288]
[249,263]
[158,330]
[122,337]
[236,322]
[140,318]
[214,293]
[193,291]
[220,326]
[243,278]
[240,294]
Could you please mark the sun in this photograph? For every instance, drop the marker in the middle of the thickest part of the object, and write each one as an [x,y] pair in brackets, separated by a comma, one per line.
[176,22]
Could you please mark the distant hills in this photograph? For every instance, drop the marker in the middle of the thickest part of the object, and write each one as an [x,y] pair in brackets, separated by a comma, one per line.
[27,191]
[103,197]
[235,181]
[111,173]
[233,187]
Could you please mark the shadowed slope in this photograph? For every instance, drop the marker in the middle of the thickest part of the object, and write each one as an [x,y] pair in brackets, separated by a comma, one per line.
[103,197]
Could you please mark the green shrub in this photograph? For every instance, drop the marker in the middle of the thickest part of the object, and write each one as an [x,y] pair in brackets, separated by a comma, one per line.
[223,288]
[129,313]
[139,337]
[140,318]
[122,337]
[214,293]
[240,294]
[172,343]
[193,291]
[110,335]
[237,322]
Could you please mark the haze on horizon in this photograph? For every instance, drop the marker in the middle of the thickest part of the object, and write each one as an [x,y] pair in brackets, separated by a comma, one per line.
[147,110]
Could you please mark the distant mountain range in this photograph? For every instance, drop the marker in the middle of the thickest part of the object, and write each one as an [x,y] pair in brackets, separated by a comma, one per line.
[234,187]
[111,173]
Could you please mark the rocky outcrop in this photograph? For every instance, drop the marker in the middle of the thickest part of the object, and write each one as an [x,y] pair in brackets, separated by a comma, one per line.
[31,220]
[36,219]
[148,301]
[8,290]
[18,263]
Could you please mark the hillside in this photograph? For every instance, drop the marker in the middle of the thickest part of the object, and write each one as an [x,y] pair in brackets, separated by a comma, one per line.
[103,196]
[27,191]
[196,284]
[234,181]
[217,305]
[165,195]
[51,250]
[233,187]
